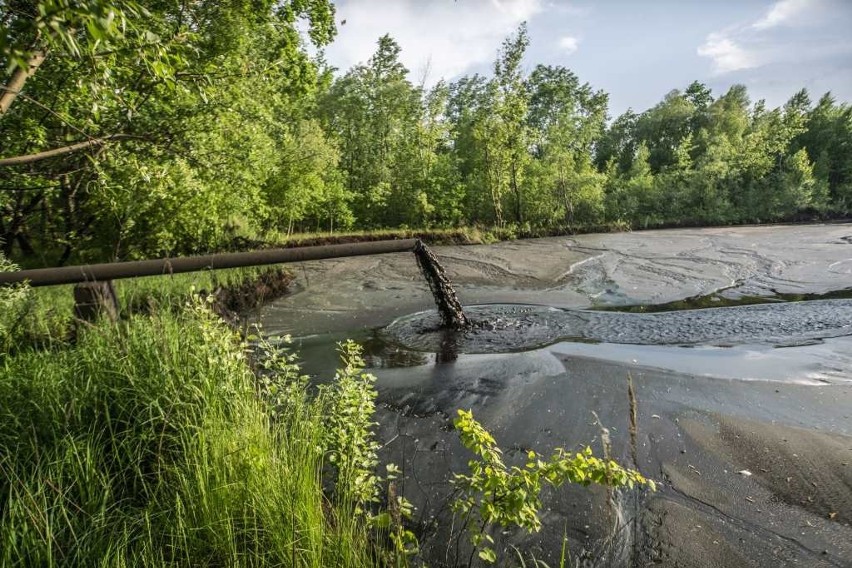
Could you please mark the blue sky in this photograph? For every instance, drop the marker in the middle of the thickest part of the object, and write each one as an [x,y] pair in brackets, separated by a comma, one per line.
[635,50]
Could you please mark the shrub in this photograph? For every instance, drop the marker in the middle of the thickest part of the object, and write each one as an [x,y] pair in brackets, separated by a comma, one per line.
[494,494]
[13,302]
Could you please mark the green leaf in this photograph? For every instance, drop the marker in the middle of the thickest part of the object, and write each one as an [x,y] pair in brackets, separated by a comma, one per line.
[488,555]
[382,520]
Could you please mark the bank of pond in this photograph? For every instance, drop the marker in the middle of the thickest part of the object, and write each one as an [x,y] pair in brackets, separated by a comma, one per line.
[174,437]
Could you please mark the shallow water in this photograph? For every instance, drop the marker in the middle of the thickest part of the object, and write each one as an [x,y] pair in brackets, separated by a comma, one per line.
[544,361]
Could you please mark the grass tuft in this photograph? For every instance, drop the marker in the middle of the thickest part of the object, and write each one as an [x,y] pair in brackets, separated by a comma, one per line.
[146,444]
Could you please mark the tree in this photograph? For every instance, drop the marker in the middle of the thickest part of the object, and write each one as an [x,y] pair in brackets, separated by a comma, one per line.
[828,142]
[565,120]
[664,127]
[308,186]
[700,97]
[501,130]
[618,143]
[196,95]
[468,106]
[375,112]
[672,185]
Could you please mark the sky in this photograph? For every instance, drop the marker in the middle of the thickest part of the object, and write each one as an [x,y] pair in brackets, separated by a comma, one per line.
[635,50]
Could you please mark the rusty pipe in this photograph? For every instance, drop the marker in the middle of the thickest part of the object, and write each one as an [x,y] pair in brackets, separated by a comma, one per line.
[161,266]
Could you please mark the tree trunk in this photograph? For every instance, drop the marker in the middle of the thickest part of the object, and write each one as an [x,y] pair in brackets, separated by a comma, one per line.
[15,231]
[19,76]
[519,217]
[492,186]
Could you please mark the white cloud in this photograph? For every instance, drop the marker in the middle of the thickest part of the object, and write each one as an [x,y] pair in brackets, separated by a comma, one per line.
[569,44]
[726,54]
[766,40]
[783,12]
[439,39]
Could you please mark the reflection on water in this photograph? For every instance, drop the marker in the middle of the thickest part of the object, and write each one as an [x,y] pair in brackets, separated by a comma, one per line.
[398,366]
[379,354]
[449,350]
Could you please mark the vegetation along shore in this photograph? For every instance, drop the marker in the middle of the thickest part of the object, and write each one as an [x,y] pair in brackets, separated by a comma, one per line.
[175,434]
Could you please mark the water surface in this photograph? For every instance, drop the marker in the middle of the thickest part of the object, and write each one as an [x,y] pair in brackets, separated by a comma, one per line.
[765,388]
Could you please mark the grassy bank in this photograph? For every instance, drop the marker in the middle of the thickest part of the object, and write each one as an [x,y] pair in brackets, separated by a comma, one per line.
[165,439]
[471,235]
[49,311]
[157,440]
[146,444]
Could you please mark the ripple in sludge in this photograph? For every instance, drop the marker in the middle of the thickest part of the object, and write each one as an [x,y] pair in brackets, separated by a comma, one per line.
[501,328]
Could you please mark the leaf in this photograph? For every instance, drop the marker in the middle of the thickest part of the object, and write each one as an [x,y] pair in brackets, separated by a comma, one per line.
[382,520]
[488,555]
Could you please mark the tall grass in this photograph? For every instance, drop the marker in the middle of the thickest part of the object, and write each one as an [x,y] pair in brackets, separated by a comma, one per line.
[146,444]
[49,311]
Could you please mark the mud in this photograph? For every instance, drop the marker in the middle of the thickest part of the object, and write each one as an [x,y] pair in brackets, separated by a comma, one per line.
[504,328]
[764,389]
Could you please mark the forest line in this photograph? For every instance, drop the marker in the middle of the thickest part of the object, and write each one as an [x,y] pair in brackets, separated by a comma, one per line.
[194,126]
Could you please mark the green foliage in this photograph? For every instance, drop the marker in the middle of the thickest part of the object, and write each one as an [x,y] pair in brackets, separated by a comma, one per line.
[13,304]
[376,113]
[308,186]
[192,102]
[280,383]
[217,125]
[54,25]
[350,443]
[535,151]
[496,494]
[164,455]
[404,543]
[347,444]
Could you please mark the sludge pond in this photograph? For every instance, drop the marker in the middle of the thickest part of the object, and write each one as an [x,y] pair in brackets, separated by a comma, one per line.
[744,411]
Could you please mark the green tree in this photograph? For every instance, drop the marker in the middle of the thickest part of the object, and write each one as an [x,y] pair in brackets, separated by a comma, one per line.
[618,143]
[828,142]
[673,184]
[467,106]
[664,127]
[166,130]
[565,120]
[700,97]
[506,134]
[375,113]
[307,191]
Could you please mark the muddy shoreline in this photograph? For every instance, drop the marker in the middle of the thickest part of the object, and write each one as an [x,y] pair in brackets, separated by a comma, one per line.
[752,444]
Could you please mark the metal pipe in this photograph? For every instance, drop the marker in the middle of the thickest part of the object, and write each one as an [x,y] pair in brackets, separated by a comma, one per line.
[161,266]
